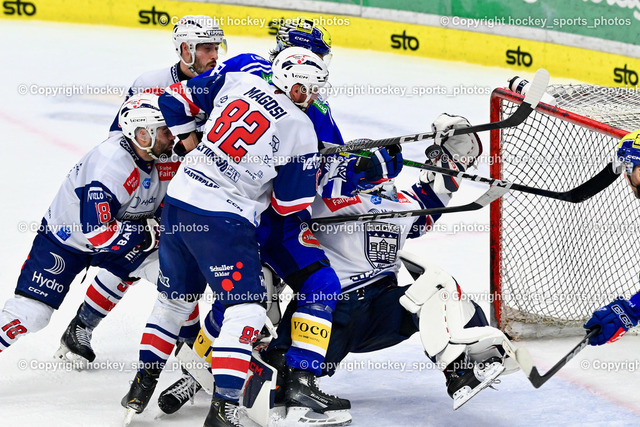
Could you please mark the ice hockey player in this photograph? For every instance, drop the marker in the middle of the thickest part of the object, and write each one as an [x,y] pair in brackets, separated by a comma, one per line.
[374,312]
[288,247]
[103,215]
[617,317]
[369,315]
[260,149]
[197,41]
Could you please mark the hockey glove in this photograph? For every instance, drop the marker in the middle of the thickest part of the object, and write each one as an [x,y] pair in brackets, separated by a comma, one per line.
[452,152]
[383,165]
[614,320]
[152,234]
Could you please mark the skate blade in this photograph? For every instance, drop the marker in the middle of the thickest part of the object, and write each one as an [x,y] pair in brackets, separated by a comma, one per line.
[465,394]
[303,415]
[128,416]
[65,355]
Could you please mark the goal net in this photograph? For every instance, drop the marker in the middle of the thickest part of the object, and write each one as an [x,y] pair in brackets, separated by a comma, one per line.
[554,262]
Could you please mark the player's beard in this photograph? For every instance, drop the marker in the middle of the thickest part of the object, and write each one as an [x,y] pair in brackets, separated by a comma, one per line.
[202,68]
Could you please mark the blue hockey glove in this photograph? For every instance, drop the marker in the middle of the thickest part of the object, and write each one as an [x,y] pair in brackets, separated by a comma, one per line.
[614,320]
[383,165]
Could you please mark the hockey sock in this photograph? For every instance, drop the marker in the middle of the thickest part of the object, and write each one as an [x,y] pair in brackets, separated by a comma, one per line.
[104,293]
[231,350]
[310,333]
[161,332]
[190,328]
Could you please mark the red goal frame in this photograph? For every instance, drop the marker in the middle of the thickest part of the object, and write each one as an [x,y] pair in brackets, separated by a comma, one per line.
[498,97]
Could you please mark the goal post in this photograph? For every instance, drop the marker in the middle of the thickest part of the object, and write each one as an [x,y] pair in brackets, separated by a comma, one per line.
[553,262]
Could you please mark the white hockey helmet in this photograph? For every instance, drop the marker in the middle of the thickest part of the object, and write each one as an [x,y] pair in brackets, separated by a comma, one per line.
[297,65]
[141,111]
[194,30]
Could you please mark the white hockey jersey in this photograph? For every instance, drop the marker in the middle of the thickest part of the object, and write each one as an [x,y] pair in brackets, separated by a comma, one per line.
[103,193]
[258,148]
[360,252]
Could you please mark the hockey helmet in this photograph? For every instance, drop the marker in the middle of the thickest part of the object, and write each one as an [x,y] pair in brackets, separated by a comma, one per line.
[194,30]
[141,111]
[296,65]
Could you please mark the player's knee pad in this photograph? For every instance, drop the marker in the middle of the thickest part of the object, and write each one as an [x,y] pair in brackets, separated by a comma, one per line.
[174,311]
[450,324]
[322,286]
[22,315]
[251,314]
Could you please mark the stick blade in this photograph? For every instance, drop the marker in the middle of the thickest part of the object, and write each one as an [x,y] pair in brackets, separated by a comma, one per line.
[538,88]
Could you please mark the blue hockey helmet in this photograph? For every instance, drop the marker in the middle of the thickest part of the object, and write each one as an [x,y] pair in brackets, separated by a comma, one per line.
[304,33]
[629,151]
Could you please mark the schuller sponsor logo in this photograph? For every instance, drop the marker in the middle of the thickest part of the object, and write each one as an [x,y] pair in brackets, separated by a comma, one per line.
[221,270]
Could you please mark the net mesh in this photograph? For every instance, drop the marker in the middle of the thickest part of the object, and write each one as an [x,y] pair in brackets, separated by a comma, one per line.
[559,261]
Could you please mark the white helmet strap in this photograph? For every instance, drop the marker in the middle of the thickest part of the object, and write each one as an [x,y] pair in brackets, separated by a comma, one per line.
[148,149]
[191,47]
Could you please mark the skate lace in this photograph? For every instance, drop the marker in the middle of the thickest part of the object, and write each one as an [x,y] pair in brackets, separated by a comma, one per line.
[83,336]
[231,414]
[314,384]
[185,389]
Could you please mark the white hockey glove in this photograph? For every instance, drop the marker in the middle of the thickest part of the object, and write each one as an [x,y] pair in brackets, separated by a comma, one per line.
[452,152]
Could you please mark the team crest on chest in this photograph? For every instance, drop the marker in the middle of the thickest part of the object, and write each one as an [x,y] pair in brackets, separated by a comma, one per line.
[381,243]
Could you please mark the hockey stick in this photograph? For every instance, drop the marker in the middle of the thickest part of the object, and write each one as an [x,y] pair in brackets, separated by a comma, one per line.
[525,361]
[531,100]
[486,198]
[576,195]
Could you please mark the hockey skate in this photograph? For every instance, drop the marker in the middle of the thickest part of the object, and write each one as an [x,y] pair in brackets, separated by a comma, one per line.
[223,413]
[179,393]
[75,344]
[306,403]
[137,399]
[464,382]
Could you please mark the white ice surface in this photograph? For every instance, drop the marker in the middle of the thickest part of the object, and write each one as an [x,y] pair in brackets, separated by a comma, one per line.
[44,136]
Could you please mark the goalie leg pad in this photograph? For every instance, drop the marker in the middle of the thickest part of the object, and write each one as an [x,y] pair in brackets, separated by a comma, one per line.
[259,390]
[449,323]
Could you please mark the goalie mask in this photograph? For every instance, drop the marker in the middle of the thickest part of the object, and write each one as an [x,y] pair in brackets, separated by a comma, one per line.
[141,111]
[194,30]
[296,65]
[304,33]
